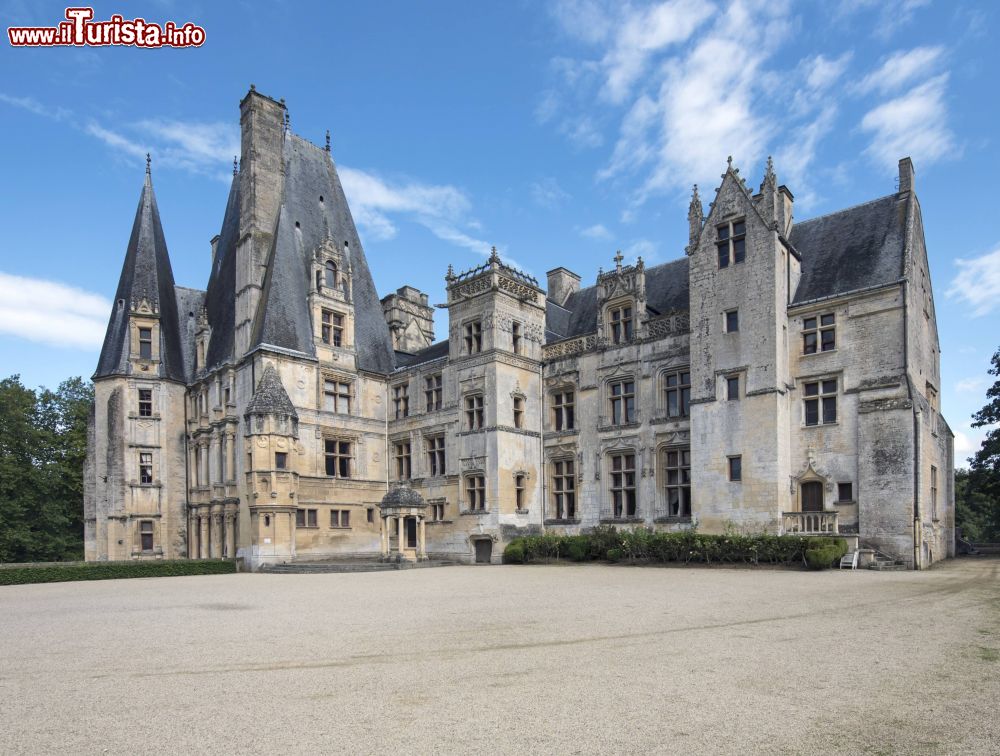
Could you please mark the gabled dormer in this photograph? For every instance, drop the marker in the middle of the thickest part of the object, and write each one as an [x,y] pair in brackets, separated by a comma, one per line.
[621,301]
[330,303]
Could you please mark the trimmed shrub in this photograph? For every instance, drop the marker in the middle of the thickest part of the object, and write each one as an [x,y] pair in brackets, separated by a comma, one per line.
[514,553]
[58,573]
[643,544]
[823,553]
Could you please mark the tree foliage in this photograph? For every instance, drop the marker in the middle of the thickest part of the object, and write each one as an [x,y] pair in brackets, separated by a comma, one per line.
[977,491]
[43,444]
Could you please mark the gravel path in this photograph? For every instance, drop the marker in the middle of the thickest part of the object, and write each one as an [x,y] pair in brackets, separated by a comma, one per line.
[535,659]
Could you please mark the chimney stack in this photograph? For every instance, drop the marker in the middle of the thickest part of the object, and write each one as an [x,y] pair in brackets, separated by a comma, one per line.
[561,284]
[905,176]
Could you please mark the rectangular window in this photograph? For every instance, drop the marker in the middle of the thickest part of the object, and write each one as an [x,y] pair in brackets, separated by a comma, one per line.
[338,457]
[731,243]
[432,392]
[371,515]
[340,518]
[677,481]
[474,414]
[732,321]
[475,492]
[474,337]
[519,486]
[623,499]
[401,400]
[518,412]
[845,492]
[403,460]
[146,534]
[437,512]
[146,343]
[306,518]
[821,402]
[563,405]
[621,324]
[934,492]
[819,334]
[564,489]
[337,396]
[145,402]
[622,395]
[515,336]
[736,468]
[332,328]
[733,388]
[435,455]
[145,467]
[678,393]
[281,460]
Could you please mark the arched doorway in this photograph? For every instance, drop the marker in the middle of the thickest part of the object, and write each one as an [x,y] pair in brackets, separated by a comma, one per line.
[812,496]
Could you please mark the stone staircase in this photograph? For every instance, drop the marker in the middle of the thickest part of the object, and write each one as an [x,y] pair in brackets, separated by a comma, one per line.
[348,565]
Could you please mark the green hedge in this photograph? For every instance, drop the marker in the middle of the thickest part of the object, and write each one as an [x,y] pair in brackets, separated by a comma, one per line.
[58,573]
[642,544]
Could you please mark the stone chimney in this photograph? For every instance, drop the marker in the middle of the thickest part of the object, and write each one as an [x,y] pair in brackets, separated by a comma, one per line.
[410,319]
[906,176]
[562,283]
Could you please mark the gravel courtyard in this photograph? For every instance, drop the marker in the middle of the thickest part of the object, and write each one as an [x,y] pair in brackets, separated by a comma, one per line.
[534,659]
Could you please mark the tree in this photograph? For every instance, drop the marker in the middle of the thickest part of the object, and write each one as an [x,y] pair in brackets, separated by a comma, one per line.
[43,443]
[981,491]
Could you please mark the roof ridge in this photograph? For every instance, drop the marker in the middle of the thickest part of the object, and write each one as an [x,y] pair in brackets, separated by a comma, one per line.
[844,210]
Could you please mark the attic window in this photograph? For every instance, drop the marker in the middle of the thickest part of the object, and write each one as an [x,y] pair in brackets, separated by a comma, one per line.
[321,198]
[297,224]
[732,243]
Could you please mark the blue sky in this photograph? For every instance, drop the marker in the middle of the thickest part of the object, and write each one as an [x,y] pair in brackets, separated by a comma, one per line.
[557,131]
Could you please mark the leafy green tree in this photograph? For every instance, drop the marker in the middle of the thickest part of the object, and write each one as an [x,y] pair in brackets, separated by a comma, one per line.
[977,493]
[43,444]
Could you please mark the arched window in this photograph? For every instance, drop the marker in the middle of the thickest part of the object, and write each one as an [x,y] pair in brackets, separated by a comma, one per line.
[331,274]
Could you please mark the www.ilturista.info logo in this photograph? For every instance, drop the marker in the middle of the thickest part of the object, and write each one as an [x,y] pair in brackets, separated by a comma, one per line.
[79,30]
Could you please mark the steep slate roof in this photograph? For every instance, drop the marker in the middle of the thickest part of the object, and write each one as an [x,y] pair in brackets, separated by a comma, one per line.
[146,274]
[220,301]
[433,352]
[283,318]
[189,304]
[666,289]
[853,249]
[270,397]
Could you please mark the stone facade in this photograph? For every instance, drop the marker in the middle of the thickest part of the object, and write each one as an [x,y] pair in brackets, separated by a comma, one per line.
[778,377]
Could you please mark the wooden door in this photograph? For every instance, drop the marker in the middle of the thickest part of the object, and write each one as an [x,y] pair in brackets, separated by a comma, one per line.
[812,496]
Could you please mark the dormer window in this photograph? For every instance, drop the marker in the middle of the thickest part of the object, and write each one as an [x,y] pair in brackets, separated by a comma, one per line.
[621,324]
[146,343]
[732,243]
[330,274]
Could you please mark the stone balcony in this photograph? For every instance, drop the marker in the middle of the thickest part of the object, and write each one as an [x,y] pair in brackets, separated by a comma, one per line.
[810,523]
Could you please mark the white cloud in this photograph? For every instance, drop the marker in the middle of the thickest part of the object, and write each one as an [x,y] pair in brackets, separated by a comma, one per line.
[52,313]
[970,385]
[546,192]
[892,14]
[795,157]
[581,131]
[822,72]
[597,231]
[441,209]
[34,106]
[977,283]
[901,68]
[643,248]
[193,145]
[116,141]
[914,124]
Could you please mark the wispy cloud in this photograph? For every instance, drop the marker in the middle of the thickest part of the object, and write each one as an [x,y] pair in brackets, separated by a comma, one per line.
[546,192]
[441,209]
[914,124]
[977,284]
[891,15]
[598,231]
[51,312]
[116,141]
[34,106]
[901,68]
[970,385]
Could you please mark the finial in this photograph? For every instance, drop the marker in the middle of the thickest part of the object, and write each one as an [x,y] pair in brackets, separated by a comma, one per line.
[148,161]
[729,162]
[236,166]
[494,257]
[253,88]
[618,260]
[328,140]
[451,272]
